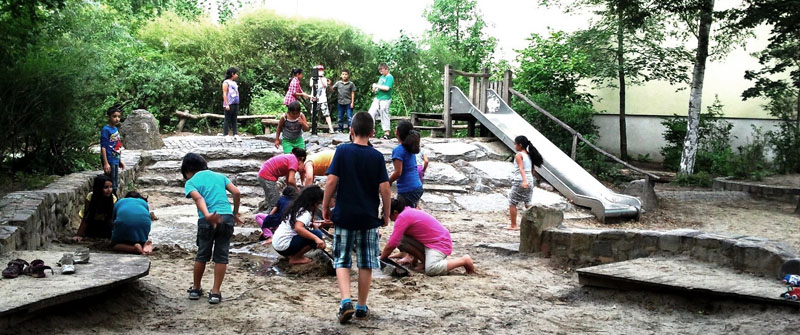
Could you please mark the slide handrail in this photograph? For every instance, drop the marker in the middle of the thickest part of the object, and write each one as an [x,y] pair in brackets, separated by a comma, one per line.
[577,136]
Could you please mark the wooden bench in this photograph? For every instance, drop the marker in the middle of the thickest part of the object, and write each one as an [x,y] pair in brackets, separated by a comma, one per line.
[266,120]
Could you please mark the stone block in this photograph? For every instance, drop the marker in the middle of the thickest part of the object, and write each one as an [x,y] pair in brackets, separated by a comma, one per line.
[669,243]
[535,221]
[560,243]
[140,131]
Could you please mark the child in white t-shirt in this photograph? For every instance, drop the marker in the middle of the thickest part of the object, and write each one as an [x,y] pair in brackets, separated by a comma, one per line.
[298,234]
[322,95]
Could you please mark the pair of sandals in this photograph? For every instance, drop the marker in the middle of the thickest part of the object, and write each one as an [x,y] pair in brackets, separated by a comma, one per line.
[19,266]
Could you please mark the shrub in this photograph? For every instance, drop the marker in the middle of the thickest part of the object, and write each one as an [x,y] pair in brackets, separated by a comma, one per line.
[785,141]
[750,162]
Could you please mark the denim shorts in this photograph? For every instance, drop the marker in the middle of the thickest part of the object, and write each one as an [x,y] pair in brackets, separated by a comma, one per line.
[365,242]
[214,241]
[412,198]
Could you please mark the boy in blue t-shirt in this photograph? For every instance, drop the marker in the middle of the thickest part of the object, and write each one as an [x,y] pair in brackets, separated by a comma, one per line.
[111,147]
[357,175]
[215,223]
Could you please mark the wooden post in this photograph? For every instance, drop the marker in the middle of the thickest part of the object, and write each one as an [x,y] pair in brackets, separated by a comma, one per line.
[574,145]
[472,90]
[181,123]
[484,86]
[446,117]
[506,85]
[471,128]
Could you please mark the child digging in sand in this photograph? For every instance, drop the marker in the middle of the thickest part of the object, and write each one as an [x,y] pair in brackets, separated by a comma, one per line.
[297,235]
[425,239]
[522,186]
[97,213]
[132,225]
[215,222]
[269,222]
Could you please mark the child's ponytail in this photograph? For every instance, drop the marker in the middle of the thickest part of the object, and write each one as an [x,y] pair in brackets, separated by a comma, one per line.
[535,156]
[295,71]
[409,136]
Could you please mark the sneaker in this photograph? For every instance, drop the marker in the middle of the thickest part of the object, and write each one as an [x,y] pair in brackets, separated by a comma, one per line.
[228,139]
[82,256]
[67,264]
[214,298]
[386,137]
[194,294]
[346,312]
[237,138]
[362,314]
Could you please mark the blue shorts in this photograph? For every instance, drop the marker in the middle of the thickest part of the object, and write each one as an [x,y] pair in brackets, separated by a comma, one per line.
[412,198]
[298,243]
[365,242]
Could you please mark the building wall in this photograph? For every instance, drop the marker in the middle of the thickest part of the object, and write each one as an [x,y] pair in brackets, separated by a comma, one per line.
[646,133]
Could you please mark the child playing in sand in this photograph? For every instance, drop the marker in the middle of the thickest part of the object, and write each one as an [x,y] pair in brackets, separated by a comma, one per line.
[97,213]
[425,239]
[358,177]
[521,187]
[132,225]
[269,222]
[285,165]
[296,235]
[291,126]
[316,165]
[409,186]
[215,222]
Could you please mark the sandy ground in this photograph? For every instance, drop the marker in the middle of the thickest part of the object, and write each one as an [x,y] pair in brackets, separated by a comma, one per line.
[512,294]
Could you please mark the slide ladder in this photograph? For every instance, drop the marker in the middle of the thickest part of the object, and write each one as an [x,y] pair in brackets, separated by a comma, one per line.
[558,169]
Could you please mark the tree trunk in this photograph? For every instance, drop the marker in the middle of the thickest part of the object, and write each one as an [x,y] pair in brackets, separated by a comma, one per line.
[623,133]
[798,107]
[696,95]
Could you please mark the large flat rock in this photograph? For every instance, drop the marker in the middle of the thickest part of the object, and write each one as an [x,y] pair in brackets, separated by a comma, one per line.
[483,203]
[177,225]
[497,173]
[687,276]
[453,151]
[442,173]
[105,271]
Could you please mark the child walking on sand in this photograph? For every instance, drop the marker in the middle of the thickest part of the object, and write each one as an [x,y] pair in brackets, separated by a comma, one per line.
[97,213]
[522,185]
[404,158]
[357,175]
[290,129]
[215,222]
[111,147]
[296,235]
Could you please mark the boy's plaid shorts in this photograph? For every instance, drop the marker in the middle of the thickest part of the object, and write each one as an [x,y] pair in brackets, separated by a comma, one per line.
[365,242]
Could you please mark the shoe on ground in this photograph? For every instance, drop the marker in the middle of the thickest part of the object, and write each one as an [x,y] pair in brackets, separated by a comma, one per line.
[346,312]
[237,138]
[67,264]
[81,256]
[362,314]
[386,137]
[194,294]
[214,298]
[228,139]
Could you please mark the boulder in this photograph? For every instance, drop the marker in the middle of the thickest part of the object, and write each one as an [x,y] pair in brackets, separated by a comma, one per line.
[453,151]
[140,131]
[441,173]
[535,221]
[495,173]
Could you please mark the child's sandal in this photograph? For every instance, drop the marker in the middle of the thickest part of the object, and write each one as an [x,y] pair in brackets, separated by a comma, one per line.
[214,298]
[15,268]
[36,269]
[195,293]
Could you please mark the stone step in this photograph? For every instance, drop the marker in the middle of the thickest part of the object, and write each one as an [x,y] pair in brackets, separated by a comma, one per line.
[178,191]
[211,153]
[222,166]
[10,237]
[175,179]
[685,276]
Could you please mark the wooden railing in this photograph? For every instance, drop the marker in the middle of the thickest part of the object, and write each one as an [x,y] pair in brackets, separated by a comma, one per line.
[266,120]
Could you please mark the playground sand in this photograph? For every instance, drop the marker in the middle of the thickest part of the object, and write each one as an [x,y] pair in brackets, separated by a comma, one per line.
[512,294]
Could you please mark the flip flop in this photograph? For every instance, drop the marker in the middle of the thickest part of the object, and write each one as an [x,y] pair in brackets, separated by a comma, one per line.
[14,268]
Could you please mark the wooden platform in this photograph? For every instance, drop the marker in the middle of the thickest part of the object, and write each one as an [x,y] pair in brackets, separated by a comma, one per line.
[683,275]
[25,294]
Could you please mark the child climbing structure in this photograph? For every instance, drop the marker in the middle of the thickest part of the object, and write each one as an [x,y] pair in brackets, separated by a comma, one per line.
[559,169]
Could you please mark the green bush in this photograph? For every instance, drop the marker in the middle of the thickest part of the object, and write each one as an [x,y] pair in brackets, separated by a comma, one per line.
[699,179]
[750,162]
[266,102]
[785,141]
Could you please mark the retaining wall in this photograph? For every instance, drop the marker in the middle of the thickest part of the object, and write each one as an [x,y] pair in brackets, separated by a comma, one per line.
[776,192]
[594,246]
[32,219]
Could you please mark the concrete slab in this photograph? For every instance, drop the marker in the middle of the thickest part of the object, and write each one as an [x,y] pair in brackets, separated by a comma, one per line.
[25,294]
[684,275]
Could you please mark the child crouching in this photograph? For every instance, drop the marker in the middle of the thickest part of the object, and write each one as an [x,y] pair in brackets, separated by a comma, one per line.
[296,235]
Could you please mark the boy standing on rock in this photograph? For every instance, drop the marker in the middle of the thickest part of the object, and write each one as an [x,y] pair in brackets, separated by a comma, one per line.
[358,173]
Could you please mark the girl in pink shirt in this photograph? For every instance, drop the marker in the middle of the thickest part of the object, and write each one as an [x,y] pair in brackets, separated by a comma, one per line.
[285,165]
[425,239]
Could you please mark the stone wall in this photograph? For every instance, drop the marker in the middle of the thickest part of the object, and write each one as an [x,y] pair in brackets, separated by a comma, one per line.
[775,192]
[32,219]
[594,246]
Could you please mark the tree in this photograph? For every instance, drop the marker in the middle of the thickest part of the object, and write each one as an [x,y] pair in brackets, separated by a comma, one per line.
[780,55]
[457,26]
[629,43]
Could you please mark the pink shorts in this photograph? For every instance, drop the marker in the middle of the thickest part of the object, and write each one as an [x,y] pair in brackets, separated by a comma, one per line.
[421,172]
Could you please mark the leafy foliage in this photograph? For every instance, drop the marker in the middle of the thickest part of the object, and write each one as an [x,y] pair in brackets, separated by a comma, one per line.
[786,139]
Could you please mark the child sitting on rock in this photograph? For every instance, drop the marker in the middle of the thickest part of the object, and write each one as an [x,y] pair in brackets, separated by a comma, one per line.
[96,216]
[425,239]
[269,222]
[132,225]
[297,235]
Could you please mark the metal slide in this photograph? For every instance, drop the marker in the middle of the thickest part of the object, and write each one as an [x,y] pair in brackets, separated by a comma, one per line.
[558,169]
